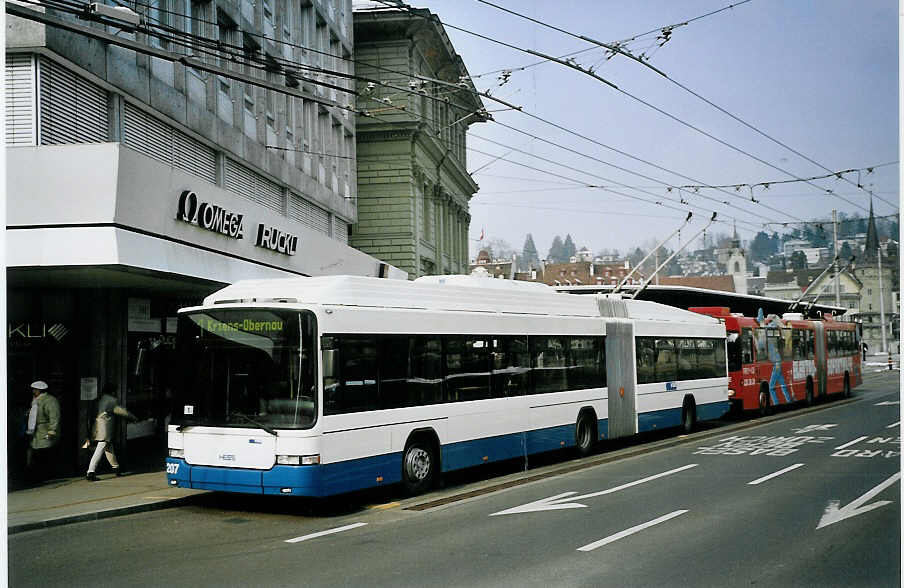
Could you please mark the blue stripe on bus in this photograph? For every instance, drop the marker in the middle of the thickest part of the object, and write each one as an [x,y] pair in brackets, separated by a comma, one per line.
[660,419]
[713,410]
[357,474]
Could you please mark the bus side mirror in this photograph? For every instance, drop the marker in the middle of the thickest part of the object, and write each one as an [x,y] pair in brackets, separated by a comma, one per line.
[329,363]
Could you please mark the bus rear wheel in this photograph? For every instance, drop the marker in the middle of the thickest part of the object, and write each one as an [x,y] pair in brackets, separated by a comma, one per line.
[764,400]
[585,434]
[418,467]
[688,416]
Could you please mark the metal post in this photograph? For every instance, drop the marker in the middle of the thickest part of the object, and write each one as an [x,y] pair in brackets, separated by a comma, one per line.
[657,265]
[835,261]
[882,305]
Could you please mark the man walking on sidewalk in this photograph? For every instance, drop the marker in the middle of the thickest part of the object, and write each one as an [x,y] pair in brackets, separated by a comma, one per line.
[44,431]
[104,430]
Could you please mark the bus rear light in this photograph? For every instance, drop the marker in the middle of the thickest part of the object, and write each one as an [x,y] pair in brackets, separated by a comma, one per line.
[177,453]
[298,459]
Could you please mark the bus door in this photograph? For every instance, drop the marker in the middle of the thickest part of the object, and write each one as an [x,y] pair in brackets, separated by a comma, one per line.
[821,365]
[620,371]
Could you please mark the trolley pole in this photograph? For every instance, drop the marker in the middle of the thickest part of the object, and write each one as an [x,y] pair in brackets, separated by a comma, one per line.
[835,261]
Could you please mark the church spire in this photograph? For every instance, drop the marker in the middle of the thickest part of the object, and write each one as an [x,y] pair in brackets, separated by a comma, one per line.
[871,248]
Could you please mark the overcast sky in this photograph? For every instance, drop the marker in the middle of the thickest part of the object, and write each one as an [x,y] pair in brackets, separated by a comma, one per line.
[819,76]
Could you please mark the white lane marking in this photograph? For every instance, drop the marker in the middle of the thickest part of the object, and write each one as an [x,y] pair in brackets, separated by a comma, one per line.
[887,403]
[322,533]
[894,424]
[849,443]
[555,502]
[631,531]
[774,474]
[833,514]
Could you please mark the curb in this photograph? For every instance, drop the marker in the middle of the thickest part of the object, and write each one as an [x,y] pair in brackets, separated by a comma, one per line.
[103,514]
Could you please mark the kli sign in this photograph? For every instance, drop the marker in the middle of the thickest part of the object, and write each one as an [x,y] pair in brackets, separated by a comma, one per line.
[209,216]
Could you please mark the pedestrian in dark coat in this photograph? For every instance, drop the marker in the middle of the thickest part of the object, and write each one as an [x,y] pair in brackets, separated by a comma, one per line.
[104,431]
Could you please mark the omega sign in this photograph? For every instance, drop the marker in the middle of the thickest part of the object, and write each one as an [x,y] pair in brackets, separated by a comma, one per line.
[209,216]
[220,220]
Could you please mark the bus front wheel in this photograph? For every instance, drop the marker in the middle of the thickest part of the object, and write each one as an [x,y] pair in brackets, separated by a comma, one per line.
[418,467]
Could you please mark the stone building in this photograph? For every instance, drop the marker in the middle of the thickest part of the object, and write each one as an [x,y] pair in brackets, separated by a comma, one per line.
[413,185]
[136,185]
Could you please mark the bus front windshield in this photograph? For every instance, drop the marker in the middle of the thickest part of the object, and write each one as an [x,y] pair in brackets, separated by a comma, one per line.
[246,367]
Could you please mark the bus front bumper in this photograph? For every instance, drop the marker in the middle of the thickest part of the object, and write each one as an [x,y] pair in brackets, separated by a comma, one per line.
[285,480]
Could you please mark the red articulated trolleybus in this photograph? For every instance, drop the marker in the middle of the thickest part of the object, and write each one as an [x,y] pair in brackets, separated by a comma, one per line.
[774,361]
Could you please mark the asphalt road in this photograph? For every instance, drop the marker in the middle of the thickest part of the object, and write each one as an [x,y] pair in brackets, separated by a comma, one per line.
[809,500]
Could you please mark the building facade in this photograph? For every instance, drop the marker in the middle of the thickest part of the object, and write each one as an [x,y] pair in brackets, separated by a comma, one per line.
[413,184]
[877,304]
[137,185]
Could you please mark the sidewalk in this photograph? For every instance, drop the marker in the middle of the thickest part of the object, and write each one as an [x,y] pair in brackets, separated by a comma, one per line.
[877,361]
[70,500]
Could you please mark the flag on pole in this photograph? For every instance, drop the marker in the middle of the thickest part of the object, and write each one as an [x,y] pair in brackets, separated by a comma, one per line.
[481,233]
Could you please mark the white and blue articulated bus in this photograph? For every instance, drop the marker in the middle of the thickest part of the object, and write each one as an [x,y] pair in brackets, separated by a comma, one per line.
[319,386]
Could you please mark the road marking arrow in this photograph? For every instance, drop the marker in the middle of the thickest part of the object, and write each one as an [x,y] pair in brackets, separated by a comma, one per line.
[833,514]
[887,403]
[561,501]
[631,531]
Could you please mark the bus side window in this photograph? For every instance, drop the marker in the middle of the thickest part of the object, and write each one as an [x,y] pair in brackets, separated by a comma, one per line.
[548,363]
[467,369]
[645,360]
[759,336]
[584,367]
[511,366]
[666,361]
[356,389]
[394,368]
[424,385]
[720,363]
[746,346]
[706,358]
[687,359]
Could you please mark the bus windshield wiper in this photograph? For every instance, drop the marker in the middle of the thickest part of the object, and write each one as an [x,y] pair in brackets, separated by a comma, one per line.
[248,419]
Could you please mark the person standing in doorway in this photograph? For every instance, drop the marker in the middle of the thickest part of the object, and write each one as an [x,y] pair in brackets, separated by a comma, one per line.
[104,432]
[43,430]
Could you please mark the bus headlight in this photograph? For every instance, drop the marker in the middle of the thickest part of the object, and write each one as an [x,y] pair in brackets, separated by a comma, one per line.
[731,392]
[298,459]
[177,453]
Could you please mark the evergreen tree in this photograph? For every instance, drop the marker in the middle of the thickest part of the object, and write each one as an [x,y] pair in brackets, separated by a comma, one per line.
[529,255]
[568,248]
[761,247]
[776,243]
[799,260]
[846,251]
[556,250]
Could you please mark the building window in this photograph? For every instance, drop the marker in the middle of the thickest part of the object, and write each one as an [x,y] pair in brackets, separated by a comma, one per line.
[158,14]
[197,23]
